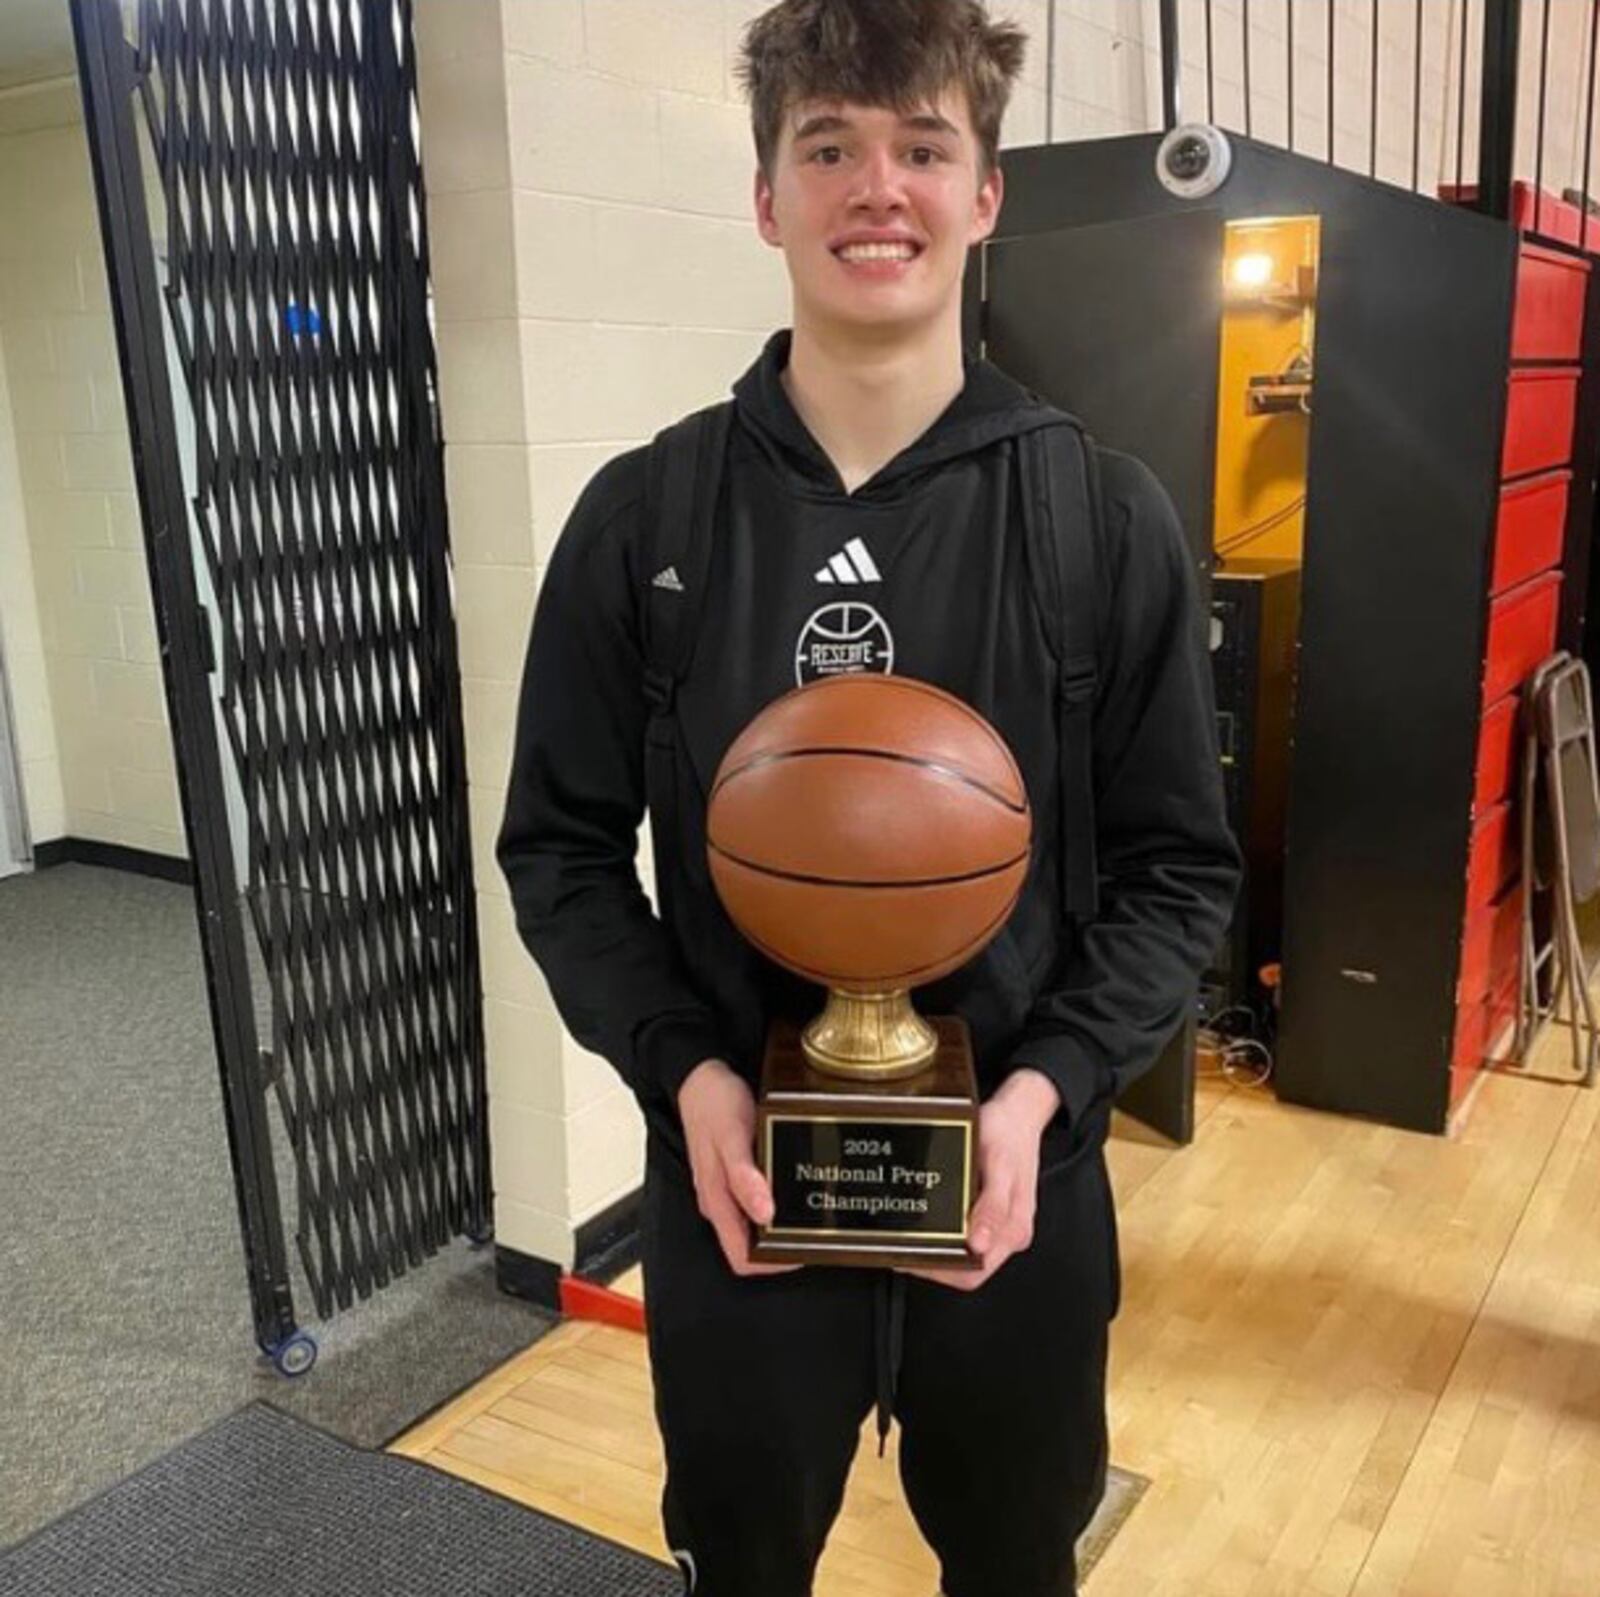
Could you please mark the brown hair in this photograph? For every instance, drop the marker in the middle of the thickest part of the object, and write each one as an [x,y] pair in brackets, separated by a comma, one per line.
[896,53]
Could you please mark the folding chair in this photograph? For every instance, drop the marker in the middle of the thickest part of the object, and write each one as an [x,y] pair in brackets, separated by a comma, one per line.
[1560,860]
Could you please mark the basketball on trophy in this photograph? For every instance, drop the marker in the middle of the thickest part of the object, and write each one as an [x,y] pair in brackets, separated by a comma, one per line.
[869,832]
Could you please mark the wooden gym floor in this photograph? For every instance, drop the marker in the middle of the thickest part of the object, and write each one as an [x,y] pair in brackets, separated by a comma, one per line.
[1353,1361]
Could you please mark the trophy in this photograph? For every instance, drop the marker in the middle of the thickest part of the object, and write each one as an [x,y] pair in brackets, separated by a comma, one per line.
[871,833]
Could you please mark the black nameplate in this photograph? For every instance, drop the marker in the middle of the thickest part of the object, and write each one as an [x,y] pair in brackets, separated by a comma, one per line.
[868,1178]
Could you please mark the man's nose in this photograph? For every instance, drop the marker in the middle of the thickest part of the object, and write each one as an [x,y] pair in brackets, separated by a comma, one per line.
[878,182]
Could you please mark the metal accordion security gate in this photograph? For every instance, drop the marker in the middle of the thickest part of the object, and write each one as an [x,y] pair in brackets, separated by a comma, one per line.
[279,372]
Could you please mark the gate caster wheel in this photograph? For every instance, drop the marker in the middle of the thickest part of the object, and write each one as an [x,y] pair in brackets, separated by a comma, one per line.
[295,1354]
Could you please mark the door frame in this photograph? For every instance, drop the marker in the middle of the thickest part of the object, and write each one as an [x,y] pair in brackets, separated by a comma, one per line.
[16,845]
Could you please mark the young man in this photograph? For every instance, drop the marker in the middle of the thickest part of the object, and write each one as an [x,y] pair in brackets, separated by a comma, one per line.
[865,453]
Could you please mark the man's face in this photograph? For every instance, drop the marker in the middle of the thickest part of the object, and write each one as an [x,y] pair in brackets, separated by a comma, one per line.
[875,211]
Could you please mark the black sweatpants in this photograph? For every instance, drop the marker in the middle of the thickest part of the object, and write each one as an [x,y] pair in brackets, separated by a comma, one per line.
[762,1385]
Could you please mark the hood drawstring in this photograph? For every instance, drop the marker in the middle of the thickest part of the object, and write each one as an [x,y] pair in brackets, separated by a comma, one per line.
[889,1335]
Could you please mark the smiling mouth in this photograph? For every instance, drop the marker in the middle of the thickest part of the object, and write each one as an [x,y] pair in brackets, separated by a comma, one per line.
[860,254]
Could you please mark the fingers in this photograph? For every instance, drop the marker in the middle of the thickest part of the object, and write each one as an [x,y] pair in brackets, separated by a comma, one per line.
[1000,1225]
[719,1124]
[1001,1222]
[749,1188]
[750,1267]
[719,1205]
[729,1225]
[990,1215]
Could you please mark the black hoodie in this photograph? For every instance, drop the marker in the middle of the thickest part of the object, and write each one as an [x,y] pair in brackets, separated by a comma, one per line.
[921,571]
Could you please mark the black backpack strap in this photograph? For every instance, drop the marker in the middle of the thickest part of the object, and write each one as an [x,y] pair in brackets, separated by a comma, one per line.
[1062,528]
[683,477]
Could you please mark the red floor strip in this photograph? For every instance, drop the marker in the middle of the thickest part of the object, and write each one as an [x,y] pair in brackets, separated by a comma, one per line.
[584,1300]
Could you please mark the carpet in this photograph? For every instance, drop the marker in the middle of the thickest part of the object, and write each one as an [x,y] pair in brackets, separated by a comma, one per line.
[261,1504]
[125,1316]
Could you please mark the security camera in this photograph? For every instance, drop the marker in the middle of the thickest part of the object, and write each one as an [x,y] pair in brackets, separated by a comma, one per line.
[1194,160]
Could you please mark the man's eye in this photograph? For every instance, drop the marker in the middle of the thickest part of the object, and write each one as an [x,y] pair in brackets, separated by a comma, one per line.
[826,155]
[926,155]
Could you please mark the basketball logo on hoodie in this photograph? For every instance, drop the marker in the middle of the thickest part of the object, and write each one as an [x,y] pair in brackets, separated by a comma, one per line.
[842,638]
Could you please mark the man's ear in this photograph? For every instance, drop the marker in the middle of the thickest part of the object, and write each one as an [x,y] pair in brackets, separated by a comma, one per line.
[766,222]
[986,212]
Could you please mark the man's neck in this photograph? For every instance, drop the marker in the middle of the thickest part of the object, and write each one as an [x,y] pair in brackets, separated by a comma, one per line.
[863,406]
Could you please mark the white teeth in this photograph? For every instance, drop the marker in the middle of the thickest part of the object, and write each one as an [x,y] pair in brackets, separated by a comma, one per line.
[877,252]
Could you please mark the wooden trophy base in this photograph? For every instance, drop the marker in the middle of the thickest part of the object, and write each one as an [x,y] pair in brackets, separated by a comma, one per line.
[869,1173]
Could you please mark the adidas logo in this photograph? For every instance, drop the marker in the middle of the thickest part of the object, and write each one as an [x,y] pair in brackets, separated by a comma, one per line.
[853,563]
[667,579]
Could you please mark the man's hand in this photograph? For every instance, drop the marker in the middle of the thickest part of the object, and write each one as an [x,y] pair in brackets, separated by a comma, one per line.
[719,1123]
[1010,1125]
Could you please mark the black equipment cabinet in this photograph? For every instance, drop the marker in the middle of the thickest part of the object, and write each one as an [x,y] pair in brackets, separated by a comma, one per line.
[1413,333]
[1255,626]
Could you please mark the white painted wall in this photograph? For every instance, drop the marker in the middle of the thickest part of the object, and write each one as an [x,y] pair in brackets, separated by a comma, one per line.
[74,595]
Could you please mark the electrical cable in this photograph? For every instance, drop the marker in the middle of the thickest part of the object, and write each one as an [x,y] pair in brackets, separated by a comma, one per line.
[1242,1060]
[1259,529]
[1217,1020]
[1234,1061]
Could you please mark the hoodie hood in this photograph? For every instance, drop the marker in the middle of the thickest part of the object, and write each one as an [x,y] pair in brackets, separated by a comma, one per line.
[990,407]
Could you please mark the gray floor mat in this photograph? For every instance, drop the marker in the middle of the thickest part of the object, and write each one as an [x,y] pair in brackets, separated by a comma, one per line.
[262,1505]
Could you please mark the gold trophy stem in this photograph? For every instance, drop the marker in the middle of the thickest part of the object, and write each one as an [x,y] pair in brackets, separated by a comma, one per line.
[875,1036]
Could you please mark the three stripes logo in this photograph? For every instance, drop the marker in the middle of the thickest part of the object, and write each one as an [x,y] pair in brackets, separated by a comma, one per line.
[853,563]
[667,578]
